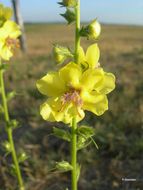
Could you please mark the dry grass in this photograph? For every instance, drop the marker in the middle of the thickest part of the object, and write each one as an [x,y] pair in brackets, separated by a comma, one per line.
[119,131]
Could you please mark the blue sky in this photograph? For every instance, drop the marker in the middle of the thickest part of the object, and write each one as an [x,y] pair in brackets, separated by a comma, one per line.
[107,11]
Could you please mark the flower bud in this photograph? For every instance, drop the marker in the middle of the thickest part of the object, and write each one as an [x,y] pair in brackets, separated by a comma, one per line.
[59,58]
[7,146]
[69,15]
[68,3]
[92,31]
[63,166]
[22,157]
[61,53]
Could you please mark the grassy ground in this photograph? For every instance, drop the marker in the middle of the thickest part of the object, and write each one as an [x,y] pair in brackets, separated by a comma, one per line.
[119,132]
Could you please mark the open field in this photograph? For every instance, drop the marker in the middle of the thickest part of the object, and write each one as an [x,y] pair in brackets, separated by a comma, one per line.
[119,132]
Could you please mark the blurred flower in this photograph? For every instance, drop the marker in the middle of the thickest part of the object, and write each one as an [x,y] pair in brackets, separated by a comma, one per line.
[5,14]
[92,31]
[91,58]
[8,39]
[72,90]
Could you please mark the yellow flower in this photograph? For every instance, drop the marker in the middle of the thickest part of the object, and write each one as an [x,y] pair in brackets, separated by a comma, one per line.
[8,39]
[91,58]
[71,90]
[5,14]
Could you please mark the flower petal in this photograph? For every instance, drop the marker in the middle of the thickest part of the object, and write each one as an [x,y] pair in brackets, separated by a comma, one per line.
[5,53]
[3,34]
[107,84]
[98,104]
[50,110]
[51,85]
[91,97]
[91,77]
[53,110]
[71,74]
[12,29]
[8,13]
[92,55]
[82,57]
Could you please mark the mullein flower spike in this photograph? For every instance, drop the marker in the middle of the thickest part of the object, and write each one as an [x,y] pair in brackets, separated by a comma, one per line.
[81,85]
[9,32]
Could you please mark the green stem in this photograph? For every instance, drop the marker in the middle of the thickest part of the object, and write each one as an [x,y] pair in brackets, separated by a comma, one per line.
[77,32]
[9,130]
[74,154]
[74,122]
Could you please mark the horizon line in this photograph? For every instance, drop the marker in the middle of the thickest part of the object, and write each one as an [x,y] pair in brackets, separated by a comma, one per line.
[84,22]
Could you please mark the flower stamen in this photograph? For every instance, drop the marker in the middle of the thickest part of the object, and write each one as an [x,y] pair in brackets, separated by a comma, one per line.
[72,97]
[12,43]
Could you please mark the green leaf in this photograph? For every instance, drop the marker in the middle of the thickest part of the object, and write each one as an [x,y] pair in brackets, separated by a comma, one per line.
[82,142]
[11,95]
[61,3]
[96,145]
[86,131]
[63,166]
[85,134]
[62,134]
[78,171]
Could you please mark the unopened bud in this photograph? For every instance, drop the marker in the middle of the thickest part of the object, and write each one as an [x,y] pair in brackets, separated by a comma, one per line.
[68,3]
[69,15]
[92,31]
[63,166]
[61,53]
[22,157]
[7,146]
[58,57]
